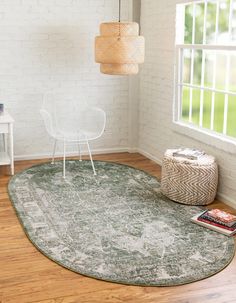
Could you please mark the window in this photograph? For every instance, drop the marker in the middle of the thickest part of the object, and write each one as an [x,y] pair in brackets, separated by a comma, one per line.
[206,66]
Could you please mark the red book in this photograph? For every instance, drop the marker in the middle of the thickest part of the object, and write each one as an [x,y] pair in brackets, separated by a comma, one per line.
[216,224]
[228,231]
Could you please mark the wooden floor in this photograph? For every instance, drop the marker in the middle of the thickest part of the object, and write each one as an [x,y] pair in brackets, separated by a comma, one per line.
[28,276]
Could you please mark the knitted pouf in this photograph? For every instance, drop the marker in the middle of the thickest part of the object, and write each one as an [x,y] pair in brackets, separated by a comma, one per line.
[188,181]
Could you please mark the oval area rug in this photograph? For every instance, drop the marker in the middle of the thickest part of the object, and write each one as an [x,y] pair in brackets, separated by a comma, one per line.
[115,226]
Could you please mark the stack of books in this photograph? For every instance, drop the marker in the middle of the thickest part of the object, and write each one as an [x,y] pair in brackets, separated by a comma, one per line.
[217,220]
[188,153]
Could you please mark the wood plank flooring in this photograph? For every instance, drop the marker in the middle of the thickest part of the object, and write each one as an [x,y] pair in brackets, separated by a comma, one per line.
[28,276]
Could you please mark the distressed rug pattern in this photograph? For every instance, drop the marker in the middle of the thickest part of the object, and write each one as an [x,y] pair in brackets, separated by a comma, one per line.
[115,226]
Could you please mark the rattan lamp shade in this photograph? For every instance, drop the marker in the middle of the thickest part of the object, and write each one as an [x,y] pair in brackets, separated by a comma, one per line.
[119,49]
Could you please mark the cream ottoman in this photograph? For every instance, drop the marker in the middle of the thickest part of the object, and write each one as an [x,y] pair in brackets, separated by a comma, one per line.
[192,182]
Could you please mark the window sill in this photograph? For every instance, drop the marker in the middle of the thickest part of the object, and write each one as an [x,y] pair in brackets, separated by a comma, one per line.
[204,136]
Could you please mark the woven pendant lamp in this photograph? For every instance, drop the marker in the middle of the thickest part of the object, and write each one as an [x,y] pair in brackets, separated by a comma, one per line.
[119,48]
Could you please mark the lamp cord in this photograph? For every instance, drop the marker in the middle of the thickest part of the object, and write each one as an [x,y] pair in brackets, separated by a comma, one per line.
[119,9]
[119,18]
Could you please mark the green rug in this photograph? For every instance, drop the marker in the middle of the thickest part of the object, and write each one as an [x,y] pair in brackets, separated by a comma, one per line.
[115,226]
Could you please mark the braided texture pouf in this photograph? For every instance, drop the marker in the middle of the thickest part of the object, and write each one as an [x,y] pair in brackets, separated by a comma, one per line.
[187,181]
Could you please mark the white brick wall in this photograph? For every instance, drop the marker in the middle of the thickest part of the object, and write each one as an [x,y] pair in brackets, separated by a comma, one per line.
[47,47]
[156,95]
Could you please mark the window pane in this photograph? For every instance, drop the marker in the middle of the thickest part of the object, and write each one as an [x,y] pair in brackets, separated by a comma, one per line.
[197,67]
[223,36]
[188,24]
[199,21]
[187,66]
[219,112]
[209,62]
[196,106]
[210,23]
[216,62]
[207,109]
[185,103]
[220,70]
[231,121]
[232,75]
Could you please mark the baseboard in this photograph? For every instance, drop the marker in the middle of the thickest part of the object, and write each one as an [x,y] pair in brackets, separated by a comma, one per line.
[220,196]
[149,156]
[72,154]
[133,150]
[226,199]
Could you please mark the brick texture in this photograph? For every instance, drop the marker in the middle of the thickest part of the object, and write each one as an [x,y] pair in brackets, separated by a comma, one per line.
[47,47]
[156,131]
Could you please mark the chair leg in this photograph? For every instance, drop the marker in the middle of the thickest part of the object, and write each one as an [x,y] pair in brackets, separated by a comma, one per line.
[91,159]
[64,159]
[54,150]
[79,148]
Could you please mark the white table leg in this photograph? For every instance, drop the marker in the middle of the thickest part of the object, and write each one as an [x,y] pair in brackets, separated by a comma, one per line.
[5,142]
[11,147]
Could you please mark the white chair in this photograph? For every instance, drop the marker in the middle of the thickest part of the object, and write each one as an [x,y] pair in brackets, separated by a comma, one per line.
[73,123]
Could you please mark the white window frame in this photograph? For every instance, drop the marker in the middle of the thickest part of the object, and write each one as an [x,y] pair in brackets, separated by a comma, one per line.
[208,136]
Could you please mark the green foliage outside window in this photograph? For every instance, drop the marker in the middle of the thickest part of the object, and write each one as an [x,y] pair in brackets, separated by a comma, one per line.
[210,38]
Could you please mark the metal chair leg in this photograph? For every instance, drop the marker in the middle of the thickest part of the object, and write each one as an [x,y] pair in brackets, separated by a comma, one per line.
[64,159]
[91,159]
[54,150]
